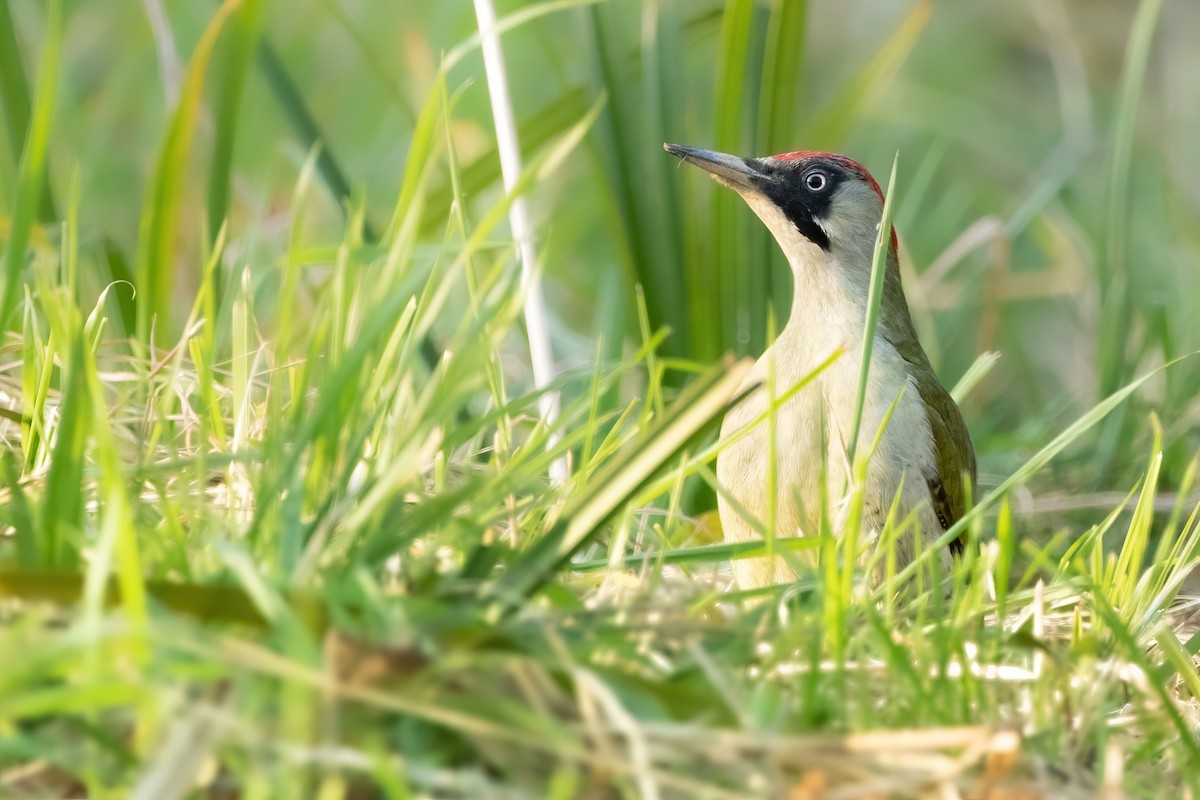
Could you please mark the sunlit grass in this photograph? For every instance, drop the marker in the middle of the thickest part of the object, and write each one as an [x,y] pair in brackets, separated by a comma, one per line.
[287,530]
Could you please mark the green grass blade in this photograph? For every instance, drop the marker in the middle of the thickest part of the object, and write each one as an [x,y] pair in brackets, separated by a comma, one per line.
[21,514]
[14,93]
[978,370]
[611,488]
[116,529]
[1115,285]
[743,290]
[622,156]
[238,53]
[1123,590]
[706,554]
[155,265]
[304,125]
[835,122]
[14,101]
[879,266]
[1114,276]
[662,109]
[63,509]
[783,58]
[780,96]
[1085,423]
[31,178]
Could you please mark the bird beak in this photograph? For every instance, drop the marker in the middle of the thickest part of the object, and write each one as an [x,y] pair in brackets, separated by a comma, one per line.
[734,171]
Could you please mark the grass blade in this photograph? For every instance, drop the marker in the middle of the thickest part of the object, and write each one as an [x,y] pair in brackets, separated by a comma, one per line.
[241,46]
[780,90]
[1034,464]
[620,154]
[705,554]
[14,100]
[156,245]
[779,96]
[834,123]
[13,88]
[743,291]
[611,488]
[305,126]
[1116,289]
[978,370]
[879,266]
[31,178]
[63,509]
[1114,278]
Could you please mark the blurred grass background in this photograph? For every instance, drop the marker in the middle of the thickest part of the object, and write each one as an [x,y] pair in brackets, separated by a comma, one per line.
[1005,116]
[257,433]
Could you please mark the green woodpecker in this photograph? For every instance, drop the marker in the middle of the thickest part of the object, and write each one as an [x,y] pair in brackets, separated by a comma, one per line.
[824,210]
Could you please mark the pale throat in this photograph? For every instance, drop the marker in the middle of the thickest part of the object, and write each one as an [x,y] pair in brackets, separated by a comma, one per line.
[829,299]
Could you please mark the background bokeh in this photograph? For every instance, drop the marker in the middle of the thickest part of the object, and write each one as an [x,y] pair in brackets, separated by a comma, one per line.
[307,458]
[1024,232]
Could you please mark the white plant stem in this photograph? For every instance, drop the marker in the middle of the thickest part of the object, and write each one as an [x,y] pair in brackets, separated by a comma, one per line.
[169,62]
[536,325]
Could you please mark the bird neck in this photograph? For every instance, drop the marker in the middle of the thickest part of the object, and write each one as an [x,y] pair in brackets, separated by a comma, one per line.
[829,304]
[831,285]
[829,291]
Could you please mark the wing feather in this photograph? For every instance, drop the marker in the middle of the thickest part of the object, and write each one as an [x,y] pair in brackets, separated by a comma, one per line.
[954,455]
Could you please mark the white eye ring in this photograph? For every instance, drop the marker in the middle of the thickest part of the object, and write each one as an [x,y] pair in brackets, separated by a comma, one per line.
[816,181]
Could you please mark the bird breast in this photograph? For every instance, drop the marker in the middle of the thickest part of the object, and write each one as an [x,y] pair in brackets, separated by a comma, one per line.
[812,432]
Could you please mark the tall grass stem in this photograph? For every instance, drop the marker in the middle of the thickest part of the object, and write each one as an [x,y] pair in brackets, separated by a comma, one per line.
[536,325]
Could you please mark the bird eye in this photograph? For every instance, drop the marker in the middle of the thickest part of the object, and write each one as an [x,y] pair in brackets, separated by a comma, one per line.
[816,181]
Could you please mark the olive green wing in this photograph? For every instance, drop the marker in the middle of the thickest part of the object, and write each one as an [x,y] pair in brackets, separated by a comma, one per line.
[954,457]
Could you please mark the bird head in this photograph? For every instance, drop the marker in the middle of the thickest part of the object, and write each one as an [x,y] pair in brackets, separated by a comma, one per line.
[823,209]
